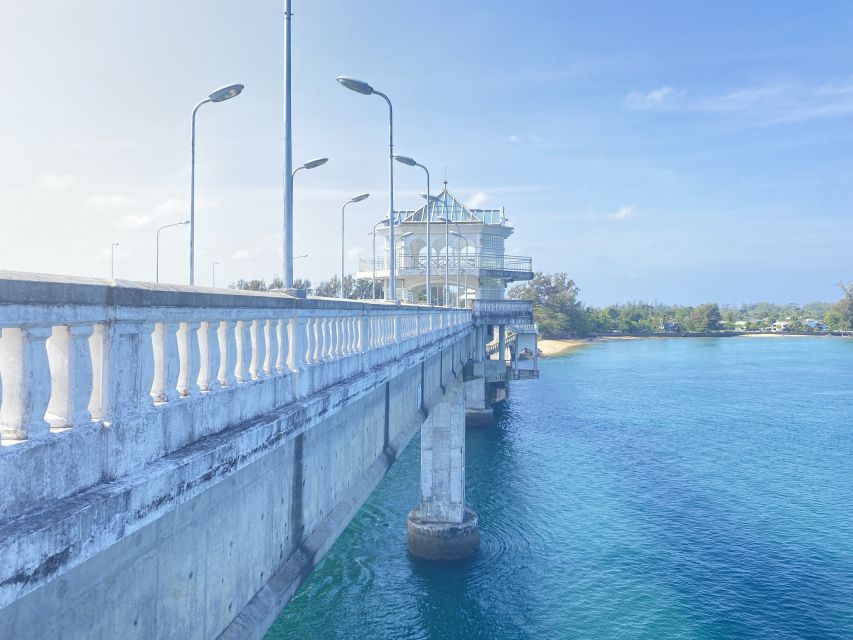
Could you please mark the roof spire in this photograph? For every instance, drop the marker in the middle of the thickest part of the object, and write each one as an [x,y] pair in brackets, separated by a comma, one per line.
[445,177]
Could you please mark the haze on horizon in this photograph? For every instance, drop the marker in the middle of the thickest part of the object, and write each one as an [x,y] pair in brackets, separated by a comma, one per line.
[666,152]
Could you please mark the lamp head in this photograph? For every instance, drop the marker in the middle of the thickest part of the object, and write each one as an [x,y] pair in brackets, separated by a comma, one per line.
[226,93]
[315,163]
[363,196]
[185,222]
[431,198]
[405,160]
[359,86]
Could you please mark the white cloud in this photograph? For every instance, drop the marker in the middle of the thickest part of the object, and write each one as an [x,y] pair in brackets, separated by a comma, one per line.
[134,221]
[477,199]
[513,139]
[623,213]
[51,182]
[106,203]
[246,254]
[760,105]
[662,96]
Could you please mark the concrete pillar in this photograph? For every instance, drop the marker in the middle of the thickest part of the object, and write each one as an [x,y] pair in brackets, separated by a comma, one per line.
[502,342]
[441,527]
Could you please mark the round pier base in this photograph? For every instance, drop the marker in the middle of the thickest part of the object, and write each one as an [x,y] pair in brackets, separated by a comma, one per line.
[443,540]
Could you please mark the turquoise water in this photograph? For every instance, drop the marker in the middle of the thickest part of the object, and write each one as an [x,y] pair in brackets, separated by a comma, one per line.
[682,488]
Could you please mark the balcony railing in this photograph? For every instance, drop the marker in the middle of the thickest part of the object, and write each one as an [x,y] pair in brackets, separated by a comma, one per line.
[514,308]
[472,262]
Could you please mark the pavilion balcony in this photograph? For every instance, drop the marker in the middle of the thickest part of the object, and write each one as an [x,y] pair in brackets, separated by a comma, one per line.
[479,265]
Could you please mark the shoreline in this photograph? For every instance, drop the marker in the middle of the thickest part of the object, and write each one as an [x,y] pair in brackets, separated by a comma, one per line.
[553,347]
[550,348]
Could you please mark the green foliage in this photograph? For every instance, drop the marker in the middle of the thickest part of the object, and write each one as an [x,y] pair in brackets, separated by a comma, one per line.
[846,306]
[354,289]
[555,304]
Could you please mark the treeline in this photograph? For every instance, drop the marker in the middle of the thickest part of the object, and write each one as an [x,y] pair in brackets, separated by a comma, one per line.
[354,288]
[559,312]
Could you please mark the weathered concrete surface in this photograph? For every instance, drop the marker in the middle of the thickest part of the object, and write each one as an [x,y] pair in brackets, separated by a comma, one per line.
[441,527]
[442,540]
[213,539]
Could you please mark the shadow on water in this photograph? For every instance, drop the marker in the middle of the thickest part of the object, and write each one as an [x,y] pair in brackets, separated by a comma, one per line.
[477,597]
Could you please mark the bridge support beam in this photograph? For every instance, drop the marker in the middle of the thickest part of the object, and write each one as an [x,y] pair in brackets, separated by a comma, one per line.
[441,527]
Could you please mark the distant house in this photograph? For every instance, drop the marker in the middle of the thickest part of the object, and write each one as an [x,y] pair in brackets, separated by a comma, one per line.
[781,326]
[670,327]
[819,325]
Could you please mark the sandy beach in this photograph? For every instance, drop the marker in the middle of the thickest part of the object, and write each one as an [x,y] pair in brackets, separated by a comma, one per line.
[551,348]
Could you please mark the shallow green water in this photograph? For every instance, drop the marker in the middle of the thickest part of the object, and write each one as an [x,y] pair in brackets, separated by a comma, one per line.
[682,488]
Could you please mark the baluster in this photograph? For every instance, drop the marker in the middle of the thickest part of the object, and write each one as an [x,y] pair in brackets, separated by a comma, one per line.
[282,363]
[258,335]
[209,356]
[337,337]
[25,371]
[244,351]
[296,327]
[167,363]
[190,358]
[228,352]
[327,339]
[271,335]
[311,340]
[71,371]
[363,337]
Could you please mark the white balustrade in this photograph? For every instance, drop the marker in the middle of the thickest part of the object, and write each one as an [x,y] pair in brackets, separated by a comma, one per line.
[109,367]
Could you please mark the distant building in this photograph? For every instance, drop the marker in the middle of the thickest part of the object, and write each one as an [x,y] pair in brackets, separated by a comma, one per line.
[467,257]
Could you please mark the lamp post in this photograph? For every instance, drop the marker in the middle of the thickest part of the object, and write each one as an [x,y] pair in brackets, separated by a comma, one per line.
[363,196]
[383,221]
[446,222]
[458,260]
[412,163]
[220,95]
[157,250]
[311,164]
[365,89]
[113,260]
[213,275]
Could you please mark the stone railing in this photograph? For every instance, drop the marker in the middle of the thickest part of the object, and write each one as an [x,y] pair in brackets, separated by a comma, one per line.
[472,263]
[98,378]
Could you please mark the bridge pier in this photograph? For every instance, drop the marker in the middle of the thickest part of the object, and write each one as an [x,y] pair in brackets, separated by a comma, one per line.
[441,527]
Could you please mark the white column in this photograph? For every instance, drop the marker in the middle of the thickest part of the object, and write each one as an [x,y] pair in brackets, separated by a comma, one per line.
[71,370]
[25,371]
[258,343]
[208,375]
[167,363]
[244,351]
[189,354]
[228,352]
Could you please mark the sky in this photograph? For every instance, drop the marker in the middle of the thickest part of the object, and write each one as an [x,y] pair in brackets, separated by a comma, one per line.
[660,151]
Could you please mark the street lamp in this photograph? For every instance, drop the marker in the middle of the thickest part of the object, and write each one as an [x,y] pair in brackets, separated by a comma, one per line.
[311,164]
[213,275]
[113,260]
[458,260]
[383,221]
[412,163]
[363,196]
[157,250]
[365,89]
[446,221]
[220,95]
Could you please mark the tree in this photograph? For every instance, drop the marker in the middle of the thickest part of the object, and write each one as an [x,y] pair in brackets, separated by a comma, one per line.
[846,305]
[555,303]
[705,317]
[354,289]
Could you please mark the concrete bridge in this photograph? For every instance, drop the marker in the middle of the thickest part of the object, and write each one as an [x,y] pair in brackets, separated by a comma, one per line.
[175,461]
